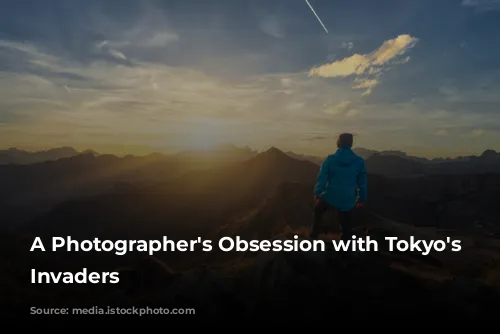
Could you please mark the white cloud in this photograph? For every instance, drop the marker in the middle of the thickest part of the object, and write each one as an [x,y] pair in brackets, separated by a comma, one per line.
[393,48]
[363,83]
[140,38]
[342,108]
[271,26]
[105,46]
[353,65]
[100,103]
[366,66]
[117,54]
[102,44]
[347,45]
[18,46]
[482,5]
[158,39]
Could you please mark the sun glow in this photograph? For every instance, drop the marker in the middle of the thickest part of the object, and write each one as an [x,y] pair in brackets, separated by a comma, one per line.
[203,136]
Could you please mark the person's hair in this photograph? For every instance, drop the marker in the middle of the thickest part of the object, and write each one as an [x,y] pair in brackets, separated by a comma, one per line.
[345,140]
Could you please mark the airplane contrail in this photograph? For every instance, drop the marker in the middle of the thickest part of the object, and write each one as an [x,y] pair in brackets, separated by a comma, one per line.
[314,12]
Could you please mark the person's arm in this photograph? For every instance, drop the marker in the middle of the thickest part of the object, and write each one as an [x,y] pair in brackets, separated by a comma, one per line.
[322,179]
[362,183]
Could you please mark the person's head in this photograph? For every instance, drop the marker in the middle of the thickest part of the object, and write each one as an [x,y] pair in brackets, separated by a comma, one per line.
[345,140]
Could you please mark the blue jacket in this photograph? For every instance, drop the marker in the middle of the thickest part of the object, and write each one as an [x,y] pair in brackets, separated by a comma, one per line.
[342,180]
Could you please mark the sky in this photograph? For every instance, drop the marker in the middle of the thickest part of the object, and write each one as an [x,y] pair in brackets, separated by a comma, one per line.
[139,76]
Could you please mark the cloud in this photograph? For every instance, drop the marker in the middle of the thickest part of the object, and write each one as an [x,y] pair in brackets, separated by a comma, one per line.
[159,39]
[363,83]
[366,67]
[294,106]
[141,39]
[450,94]
[18,46]
[318,138]
[477,132]
[352,112]
[342,108]
[136,39]
[271,26]
[286,82]
[358,64]
[442,132]
[482,5]
[98,103]
[112,89]
[117,54]
[347,45]
[143,75]
[49,99]
[354,65]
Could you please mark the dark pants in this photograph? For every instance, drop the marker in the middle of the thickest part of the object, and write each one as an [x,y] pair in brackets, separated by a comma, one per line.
[346,220]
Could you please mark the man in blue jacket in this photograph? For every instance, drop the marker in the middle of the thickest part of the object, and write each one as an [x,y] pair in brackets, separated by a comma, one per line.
[341,185]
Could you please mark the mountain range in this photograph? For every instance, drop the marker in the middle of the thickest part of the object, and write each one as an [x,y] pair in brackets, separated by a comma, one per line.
[41,185]
[265,195]
[220,153]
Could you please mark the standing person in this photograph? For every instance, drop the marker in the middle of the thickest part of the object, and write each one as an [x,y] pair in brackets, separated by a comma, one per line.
[341,185]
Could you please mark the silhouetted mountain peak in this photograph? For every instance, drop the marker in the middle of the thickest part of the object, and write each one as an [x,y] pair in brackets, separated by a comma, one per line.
[16,156]
[389,158]
[273,151]
[275,167]
[489,154]
[90,151]
[364,152]
[82,157]
[14,149]
[274,156]
[394,153]
[311,158]
[63,149]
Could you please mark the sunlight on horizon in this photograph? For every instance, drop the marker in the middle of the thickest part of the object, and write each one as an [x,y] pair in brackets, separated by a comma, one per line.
[201,136]
[161,77]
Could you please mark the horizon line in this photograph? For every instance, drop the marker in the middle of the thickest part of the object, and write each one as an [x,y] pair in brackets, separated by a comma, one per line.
[215,147]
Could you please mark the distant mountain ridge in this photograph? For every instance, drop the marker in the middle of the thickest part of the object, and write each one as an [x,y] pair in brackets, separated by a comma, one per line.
[257,197]
[223,152]
[157,166]
[367,153]
[399,164]
[21,157]
[192,204]
[227,152]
